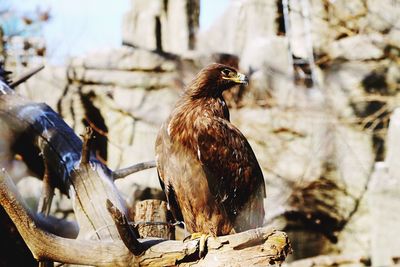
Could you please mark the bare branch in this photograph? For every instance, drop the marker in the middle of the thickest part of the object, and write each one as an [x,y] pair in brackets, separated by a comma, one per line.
[260,246]
[121,173]
[25,76]
[86,145]
[124,229]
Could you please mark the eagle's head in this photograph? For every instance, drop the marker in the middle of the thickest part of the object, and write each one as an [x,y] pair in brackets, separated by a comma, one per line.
[212,80]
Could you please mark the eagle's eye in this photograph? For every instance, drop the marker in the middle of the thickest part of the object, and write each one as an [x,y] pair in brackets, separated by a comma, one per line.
[228,73]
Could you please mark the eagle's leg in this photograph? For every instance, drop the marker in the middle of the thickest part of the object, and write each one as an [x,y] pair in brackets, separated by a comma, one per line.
[202,244]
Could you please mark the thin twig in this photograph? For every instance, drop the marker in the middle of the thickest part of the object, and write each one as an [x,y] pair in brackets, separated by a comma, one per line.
[25,76]
[121,173]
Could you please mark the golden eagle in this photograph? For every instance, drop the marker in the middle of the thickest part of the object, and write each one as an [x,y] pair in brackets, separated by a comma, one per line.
[206,167]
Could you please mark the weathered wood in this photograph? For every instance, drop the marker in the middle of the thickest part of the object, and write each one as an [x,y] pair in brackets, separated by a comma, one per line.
[121,173]
[44,139]
[46,246]
[125,230]
[151,219]
[92,186]
[329,260]
[86,146]
[257,247]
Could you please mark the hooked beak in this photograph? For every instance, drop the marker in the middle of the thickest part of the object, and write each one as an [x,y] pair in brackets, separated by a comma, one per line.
[241,79]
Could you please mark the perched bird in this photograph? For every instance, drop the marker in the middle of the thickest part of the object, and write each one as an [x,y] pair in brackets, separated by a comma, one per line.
[206,167]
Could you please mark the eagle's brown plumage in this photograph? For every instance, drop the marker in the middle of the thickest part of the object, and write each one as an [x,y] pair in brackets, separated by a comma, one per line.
[206,167]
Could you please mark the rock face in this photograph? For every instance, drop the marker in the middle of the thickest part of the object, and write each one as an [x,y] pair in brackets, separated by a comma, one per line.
[242,22]
[159,25]
[118,93]
[303,152]
[126,59]
[326,74]
[384,200]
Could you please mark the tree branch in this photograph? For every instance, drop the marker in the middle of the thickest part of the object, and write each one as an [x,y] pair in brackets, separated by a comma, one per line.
[86,145]
[46,246]
[254,247]
[124,229]
[24,77]
[121,173]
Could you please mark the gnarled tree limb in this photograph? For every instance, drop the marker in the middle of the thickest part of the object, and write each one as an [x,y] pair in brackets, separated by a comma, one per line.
[251,248]
[124,229]
[46,246]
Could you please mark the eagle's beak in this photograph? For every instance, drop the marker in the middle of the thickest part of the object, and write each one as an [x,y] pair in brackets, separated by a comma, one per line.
[241,78]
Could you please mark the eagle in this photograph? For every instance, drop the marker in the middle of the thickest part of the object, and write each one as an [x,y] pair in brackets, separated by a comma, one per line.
[206,166]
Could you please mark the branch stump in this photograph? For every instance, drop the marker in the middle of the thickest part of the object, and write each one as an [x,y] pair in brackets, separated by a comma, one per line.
[151,219]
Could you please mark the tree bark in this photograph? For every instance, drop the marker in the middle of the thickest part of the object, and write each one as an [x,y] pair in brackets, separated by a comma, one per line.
[330,260]
[151,219]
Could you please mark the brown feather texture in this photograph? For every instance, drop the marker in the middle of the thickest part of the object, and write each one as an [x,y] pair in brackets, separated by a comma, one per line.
[206,166]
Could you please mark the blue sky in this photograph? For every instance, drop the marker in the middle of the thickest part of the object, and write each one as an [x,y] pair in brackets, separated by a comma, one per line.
[210,10]
[78,26]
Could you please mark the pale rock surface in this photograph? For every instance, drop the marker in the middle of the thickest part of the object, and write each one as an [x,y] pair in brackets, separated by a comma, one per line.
[126,58]
[158,25]
[46,86]
[242,22]
[358,47]
[384,200]
[124,78]
[139,25]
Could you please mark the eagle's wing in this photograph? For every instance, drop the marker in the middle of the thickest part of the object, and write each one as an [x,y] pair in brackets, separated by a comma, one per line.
[163,148]
[233,173]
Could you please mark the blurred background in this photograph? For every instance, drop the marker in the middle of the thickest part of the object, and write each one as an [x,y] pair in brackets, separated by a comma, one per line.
[320,111]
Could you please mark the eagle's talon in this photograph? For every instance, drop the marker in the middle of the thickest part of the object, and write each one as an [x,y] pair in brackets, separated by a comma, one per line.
[202,242]
[203,245]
